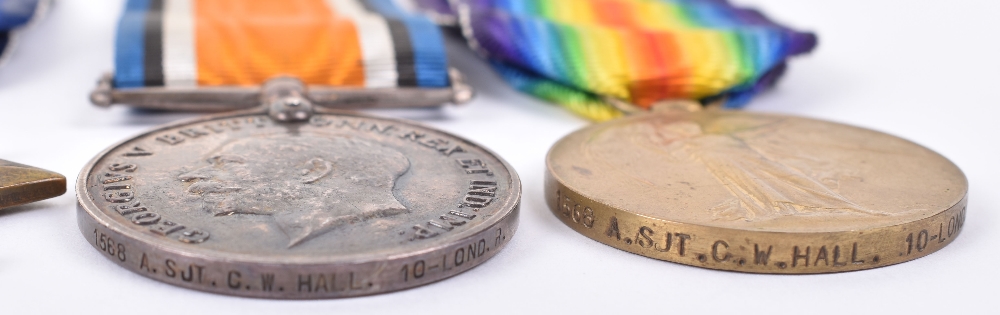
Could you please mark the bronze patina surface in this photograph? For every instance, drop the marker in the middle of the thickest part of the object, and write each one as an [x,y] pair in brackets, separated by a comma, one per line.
[21,184]
[755,192]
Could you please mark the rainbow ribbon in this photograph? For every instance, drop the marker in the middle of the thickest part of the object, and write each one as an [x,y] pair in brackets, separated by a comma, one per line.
[577,53]
[363,43]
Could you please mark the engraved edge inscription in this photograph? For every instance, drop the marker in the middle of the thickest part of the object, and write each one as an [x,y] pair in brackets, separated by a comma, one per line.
[754,252]
[313,281]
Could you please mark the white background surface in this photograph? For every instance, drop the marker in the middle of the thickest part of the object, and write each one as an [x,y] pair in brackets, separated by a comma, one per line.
[923,70]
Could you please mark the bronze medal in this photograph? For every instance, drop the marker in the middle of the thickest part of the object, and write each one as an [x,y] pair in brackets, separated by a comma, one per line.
[754,192]
[21,184]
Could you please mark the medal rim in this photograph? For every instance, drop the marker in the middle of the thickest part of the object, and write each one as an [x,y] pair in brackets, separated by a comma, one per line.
[703,258]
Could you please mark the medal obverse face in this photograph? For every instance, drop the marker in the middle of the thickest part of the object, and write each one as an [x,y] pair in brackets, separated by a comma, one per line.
[755,192]
[342,205]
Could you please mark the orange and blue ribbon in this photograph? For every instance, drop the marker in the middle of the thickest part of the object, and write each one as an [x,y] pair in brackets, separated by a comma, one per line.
[190,43]
[579,52]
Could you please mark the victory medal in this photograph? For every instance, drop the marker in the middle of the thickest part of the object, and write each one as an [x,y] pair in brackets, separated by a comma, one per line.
[288,197]
[721,189]
[755,192]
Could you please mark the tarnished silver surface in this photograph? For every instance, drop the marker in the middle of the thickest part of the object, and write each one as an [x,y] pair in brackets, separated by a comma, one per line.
[338,205]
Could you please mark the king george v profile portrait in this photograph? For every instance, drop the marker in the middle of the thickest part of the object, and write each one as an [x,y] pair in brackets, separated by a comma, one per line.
[310,185]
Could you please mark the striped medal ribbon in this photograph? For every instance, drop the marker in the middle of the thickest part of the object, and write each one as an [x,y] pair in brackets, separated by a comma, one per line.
[588,55]
[212,43]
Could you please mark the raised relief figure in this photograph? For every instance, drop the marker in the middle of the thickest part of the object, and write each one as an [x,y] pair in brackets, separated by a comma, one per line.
[763,188]
[309,185]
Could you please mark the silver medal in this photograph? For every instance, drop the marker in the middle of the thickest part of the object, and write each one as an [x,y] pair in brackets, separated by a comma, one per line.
[283,202]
